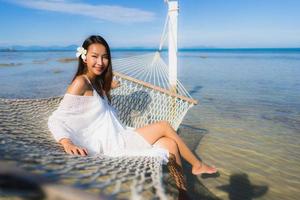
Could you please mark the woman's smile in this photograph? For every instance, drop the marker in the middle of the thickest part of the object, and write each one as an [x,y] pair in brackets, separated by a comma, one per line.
[99,69]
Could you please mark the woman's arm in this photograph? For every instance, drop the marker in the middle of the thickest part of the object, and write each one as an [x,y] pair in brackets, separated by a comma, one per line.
[60,130]
[61,133]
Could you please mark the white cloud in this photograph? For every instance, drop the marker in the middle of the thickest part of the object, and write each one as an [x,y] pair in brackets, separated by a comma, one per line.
[102,12]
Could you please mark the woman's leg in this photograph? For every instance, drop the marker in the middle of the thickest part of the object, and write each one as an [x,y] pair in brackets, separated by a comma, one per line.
[171,146]
[174,165]
[155,131]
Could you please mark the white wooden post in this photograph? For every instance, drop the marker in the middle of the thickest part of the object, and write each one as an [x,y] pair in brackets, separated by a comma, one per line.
[173,14]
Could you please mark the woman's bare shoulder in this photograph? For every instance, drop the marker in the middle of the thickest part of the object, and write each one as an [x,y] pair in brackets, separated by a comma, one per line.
[78,86]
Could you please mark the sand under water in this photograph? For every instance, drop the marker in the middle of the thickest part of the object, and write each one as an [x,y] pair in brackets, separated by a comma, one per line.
[250,107]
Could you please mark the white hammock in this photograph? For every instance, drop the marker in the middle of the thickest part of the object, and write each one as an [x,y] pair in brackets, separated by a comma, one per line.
[151,100]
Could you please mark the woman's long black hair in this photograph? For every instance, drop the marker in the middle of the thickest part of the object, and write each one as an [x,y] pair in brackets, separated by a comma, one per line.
[103,81]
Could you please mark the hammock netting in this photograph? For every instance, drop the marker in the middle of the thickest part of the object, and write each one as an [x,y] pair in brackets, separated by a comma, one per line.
[26,141]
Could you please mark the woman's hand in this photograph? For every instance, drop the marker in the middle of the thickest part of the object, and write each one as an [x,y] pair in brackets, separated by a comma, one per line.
[72,149]
[115,84]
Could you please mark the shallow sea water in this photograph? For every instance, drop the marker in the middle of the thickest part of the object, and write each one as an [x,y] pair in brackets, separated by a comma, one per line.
[249,108]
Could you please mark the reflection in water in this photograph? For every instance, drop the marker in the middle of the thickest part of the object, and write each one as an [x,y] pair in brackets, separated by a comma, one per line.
[195,89]
[240,187]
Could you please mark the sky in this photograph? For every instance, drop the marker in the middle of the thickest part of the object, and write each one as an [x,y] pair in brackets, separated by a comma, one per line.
[139,23]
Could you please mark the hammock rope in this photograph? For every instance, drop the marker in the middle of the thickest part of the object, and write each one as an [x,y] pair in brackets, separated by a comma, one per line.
[150,68]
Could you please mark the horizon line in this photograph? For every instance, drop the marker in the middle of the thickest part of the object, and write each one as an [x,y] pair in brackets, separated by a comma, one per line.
[140,48]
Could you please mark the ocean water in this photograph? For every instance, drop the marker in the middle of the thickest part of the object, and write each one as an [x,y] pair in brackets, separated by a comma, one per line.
[249,107]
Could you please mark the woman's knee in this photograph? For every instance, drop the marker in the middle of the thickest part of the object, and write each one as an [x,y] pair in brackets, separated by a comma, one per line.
[172,145]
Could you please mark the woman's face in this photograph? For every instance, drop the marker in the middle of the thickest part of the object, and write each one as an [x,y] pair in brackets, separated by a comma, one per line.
[97,59]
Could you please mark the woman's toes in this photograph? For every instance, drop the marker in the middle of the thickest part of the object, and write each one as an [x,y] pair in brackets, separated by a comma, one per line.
[204,169]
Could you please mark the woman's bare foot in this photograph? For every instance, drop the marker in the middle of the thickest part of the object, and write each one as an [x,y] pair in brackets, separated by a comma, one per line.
[202,168]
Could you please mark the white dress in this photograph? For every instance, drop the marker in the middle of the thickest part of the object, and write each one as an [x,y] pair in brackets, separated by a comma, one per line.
[90,122]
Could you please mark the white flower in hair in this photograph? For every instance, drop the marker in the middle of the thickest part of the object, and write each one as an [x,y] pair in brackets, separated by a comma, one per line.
[81,52]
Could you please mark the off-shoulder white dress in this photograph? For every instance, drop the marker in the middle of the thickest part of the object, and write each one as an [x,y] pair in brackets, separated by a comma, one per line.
[90,122]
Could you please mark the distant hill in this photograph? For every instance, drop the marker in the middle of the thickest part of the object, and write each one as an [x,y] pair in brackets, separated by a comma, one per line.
[38,48]
[66,48]
[139,48]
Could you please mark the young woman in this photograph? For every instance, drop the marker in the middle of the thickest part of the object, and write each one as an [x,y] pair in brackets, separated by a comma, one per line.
[85,123]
